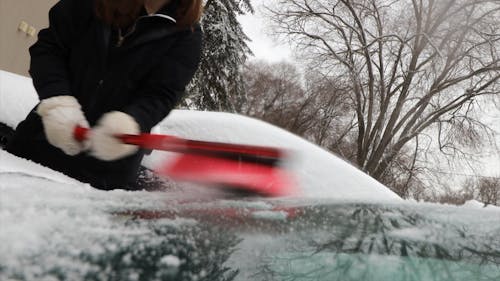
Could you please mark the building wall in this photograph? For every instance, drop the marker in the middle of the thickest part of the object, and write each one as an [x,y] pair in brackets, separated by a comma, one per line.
[14,42]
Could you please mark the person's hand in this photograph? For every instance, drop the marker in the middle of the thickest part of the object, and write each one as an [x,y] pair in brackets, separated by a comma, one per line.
[60,115]
[102,140]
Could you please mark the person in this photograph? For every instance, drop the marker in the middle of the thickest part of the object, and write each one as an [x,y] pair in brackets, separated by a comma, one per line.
[115,66]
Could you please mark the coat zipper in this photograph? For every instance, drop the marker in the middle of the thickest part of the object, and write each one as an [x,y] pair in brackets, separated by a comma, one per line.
[122,37]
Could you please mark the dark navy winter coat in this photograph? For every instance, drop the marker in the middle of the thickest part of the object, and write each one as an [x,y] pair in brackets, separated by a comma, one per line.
[144,75]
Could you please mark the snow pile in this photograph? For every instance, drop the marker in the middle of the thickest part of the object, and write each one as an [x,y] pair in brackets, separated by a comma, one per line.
[9,164]
[171,261]
[474,204]
[320,174]
[17,98]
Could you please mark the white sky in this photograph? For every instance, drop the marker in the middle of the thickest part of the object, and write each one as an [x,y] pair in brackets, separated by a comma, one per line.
[263,45]
[267,48]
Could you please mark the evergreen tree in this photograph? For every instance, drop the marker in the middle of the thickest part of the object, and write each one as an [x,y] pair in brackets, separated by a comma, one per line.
[225,52]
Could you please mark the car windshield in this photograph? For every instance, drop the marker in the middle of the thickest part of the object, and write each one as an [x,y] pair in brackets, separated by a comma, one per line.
[82,234]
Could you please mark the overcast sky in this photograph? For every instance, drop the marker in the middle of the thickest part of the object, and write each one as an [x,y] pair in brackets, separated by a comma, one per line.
[263,45]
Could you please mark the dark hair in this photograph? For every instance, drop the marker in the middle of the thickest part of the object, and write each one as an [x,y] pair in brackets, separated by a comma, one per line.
[189,12]
[122,13]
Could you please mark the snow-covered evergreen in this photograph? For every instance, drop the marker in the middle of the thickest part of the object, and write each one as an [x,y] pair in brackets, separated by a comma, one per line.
[225,51]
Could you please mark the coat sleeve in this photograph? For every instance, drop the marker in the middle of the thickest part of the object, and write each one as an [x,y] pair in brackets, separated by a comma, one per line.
[167,82]
[50,54]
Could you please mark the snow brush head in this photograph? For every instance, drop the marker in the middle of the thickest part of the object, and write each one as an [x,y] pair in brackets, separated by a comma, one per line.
[253,169]
[263,178]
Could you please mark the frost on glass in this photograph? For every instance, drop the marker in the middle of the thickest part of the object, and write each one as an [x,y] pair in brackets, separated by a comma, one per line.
[54,228]
[51,230]
[166,253]
[376,243]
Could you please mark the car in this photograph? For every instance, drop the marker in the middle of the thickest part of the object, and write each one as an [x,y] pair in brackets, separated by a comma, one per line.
[53,230]
[342,225]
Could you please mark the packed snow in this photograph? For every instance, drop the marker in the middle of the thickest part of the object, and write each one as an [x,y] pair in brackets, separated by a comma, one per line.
[319,173]
[474,204]
[17,98]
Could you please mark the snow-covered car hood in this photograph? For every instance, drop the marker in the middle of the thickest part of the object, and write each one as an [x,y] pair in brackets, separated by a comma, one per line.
[319,173]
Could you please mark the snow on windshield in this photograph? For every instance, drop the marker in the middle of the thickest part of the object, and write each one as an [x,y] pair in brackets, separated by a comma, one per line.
[374,242]
[55,228]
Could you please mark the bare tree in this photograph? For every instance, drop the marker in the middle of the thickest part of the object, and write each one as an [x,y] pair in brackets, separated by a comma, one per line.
[310,107]
[483,189]
[270,86]
[273,92]
[409,66]
[489,190]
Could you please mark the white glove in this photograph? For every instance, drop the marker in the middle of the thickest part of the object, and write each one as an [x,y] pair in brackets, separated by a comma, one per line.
[60,115]
[102,141]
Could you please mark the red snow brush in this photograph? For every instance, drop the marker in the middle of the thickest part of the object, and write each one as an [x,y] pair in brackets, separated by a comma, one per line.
[245,168]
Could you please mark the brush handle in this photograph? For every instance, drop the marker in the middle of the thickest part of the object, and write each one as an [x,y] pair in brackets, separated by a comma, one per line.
[176,144]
